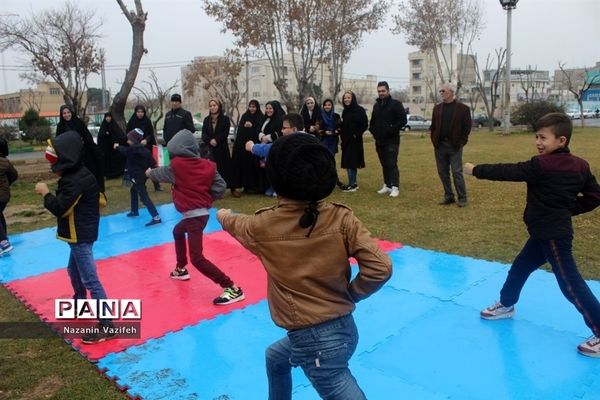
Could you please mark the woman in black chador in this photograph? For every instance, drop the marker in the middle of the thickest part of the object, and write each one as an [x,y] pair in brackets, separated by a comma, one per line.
[245,165]
[109,134]
[140,120]
[215,131]
[92,155]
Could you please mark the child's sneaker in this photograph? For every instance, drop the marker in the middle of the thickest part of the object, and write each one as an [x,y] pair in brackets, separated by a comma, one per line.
[497,311]
[5,247]
[229,295]
[350,188]
[132,214]
[590,347]
[180,274]
[102,334]
[154,221]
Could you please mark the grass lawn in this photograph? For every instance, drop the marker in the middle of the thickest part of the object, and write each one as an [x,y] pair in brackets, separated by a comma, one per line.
[490,227]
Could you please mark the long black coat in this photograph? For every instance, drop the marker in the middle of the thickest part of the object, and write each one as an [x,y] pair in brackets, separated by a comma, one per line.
[246,166]
[108,135]
[354,125]
[219,153]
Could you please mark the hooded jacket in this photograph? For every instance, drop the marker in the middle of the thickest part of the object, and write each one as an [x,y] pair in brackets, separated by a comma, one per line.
[76,202]
[196,182]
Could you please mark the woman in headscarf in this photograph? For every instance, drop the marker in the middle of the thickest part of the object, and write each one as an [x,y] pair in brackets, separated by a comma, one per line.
[92,155]
[310,114]
[329,125]
[245,166]
[140,120]
[215,131]
[354,125]
[109,134]
[269,131]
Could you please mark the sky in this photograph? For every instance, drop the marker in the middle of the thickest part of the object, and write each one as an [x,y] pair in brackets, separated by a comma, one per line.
[544,32]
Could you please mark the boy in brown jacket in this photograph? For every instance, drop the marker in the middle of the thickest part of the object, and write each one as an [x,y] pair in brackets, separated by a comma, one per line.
[304,244]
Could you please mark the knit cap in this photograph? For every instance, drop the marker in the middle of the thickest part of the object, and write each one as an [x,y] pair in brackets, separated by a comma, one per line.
[135,136]
[50,154]
[301,168]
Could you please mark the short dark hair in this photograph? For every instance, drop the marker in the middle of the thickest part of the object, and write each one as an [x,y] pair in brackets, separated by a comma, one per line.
[558,122]
[295,121]
[383,83]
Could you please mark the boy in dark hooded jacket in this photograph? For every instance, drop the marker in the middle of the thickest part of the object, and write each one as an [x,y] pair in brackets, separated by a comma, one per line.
[76,206]
[138,160]
[196,183]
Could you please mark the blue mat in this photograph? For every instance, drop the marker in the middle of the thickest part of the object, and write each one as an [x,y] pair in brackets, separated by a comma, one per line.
[420,338]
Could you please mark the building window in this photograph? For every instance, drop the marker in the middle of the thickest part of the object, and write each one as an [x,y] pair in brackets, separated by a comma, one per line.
[54,91]
[416,63]
[416,76]
[255,70]
[416,89]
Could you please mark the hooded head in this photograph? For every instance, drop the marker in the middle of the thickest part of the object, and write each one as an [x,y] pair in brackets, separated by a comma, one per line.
[183,144]
[301,168]
[66,150]
[135,136]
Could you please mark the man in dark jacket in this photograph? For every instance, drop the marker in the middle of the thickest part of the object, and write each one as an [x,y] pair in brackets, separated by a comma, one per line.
[177,119]
[387,119]
[450,128]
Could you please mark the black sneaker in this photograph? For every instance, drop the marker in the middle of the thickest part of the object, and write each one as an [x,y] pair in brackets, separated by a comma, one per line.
[229,296]
[340,185]
[350,188]
[180,274]
[101,333]
[446,201]
[132,214]
[154,221]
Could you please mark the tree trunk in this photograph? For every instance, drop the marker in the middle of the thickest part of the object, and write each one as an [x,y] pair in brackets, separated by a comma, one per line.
[138,25]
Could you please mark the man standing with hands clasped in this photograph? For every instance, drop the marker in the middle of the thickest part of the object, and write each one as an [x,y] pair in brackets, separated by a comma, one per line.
[177,119]
[387,119]
[450,128]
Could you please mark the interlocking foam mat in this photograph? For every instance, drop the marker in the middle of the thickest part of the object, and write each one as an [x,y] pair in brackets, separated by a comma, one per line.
[420,336]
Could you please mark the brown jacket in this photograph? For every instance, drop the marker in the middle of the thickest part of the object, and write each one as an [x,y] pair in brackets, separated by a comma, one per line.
[8,174]
[461,125]
[309,279]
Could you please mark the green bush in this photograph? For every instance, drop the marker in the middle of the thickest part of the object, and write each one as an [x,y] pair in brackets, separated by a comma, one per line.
[528,113]
[35,128]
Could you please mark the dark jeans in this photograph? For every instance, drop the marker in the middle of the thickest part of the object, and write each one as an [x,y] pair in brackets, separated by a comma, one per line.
[559,254]
[352,176]
[449,158]
[388,158]
[3,231]
[323,352]
[138,189]
[194,227]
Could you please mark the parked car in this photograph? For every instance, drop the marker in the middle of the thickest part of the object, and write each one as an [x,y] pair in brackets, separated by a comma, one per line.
[589,113]
[573,114]
[416,122]
[482,120]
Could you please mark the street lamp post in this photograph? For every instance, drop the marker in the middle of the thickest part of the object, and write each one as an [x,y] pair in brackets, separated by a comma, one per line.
[508,5]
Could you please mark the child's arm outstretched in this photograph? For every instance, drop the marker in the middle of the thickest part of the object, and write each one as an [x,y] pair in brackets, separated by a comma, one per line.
[161,174]
[525,171]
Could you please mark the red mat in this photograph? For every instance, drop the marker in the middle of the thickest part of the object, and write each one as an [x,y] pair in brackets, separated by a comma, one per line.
[167,305]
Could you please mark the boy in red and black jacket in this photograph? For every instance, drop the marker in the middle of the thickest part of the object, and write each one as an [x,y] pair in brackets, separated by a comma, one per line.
[196,183]
[559,185]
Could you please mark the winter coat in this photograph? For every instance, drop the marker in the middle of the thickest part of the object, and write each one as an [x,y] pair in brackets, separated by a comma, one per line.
[176,120]
[8,174]
[219,153]
[354,125]
[459,128]
[108,135]
[387,118]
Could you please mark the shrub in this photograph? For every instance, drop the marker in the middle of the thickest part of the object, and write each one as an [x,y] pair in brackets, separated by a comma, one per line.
[34,127]
[528,113]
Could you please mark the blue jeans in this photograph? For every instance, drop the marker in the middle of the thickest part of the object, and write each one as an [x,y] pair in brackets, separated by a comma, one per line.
[323,352]
[82,271]
[559,253]
[351,176]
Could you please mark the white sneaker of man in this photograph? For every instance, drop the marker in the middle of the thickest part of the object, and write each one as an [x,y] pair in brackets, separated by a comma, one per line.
[395,192]
[385,189]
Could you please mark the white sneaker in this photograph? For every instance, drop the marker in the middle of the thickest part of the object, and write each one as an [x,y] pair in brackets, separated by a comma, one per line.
[497,311]
[395,192]
[590,347]
[384,190]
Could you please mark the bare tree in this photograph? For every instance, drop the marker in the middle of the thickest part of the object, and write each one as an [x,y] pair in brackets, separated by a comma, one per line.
[137,20]
[491,74]
[154,97]
[437,27]
[62,46]
[577,82]
[219,77]
[32,99]
[353,18]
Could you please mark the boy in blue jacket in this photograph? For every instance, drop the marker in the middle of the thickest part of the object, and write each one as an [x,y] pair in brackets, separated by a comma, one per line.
[138,160]
[76,206]
[559,186]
